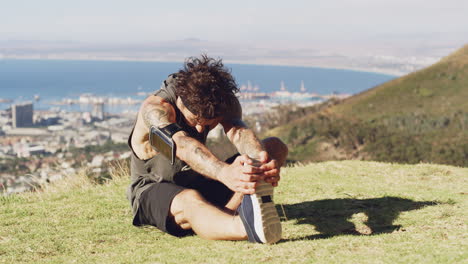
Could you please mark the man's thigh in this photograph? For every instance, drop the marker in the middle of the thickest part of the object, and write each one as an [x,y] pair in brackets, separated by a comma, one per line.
[155,202]
[155,205]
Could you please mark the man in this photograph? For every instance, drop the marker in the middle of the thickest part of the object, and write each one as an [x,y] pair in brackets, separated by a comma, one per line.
[225,200]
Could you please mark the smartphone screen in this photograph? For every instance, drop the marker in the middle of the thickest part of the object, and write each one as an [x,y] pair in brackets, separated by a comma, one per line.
[162,143]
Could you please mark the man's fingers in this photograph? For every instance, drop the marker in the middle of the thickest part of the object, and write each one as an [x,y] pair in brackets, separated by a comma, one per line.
[250,185]
[251,170]
[247,187]
[272,164]
[251,177]
[273,179]
[273,172]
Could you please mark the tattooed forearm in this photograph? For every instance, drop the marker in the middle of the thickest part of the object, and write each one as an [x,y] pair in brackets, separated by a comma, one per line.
[201,153]
[154,115]
[198,157]
[243,138]
[246,142]
[205,162]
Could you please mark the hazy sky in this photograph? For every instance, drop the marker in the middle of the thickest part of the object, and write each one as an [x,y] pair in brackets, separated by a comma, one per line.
[262,21]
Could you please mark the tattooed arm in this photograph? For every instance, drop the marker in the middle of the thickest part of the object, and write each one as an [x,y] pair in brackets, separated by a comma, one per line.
[157,113]
[235,176]
[153,111]
[246,142]
[239,134]
[243,138]
[197,155]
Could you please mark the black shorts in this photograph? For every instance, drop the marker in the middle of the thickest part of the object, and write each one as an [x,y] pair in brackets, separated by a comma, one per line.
[155,202]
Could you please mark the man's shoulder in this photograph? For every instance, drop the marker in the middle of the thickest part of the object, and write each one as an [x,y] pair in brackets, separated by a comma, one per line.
[167,89]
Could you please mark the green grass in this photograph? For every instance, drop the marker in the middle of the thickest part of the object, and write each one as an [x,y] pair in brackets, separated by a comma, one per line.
[332,212]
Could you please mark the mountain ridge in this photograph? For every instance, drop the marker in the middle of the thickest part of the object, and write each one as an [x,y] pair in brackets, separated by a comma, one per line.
[450,72]
[420,117]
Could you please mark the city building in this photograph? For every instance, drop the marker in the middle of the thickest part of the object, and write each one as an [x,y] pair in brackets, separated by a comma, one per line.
[22,115]
[98,111]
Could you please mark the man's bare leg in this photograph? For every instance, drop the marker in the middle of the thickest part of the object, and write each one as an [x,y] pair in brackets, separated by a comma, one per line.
[234,203]
[191,210]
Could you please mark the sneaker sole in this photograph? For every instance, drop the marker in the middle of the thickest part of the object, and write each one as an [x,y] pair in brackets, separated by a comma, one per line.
[268,228]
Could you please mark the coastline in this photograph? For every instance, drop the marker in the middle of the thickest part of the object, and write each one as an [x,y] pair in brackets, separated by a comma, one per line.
[395,73]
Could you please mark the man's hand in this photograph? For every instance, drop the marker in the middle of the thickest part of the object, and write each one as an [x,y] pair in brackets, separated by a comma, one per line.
[247,142]
[270,168]
[241,178]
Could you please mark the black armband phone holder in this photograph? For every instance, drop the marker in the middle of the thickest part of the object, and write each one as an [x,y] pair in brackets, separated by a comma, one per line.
[161,140]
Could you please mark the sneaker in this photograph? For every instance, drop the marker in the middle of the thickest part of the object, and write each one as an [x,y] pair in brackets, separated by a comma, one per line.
[259,215]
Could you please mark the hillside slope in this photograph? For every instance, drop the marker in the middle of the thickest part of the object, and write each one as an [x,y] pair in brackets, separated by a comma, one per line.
[421,117]
[333,212]
[439,90]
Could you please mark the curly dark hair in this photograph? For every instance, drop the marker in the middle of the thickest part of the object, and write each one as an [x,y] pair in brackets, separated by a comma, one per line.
[206,87]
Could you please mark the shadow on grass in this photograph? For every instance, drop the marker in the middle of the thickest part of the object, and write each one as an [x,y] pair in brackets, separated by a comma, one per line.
[332,217]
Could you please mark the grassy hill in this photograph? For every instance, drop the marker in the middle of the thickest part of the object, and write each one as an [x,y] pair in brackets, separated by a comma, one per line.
[439,90]
[332,212]
[419,117]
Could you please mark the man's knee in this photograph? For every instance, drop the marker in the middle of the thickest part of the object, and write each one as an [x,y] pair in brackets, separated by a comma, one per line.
[274,142]
[276,148]
[182,204]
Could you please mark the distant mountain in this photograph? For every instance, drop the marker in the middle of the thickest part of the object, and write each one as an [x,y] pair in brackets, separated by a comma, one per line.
[372,58]
[420,117]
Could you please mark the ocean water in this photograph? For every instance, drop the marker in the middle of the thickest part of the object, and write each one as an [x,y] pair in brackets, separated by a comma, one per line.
[21,80]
